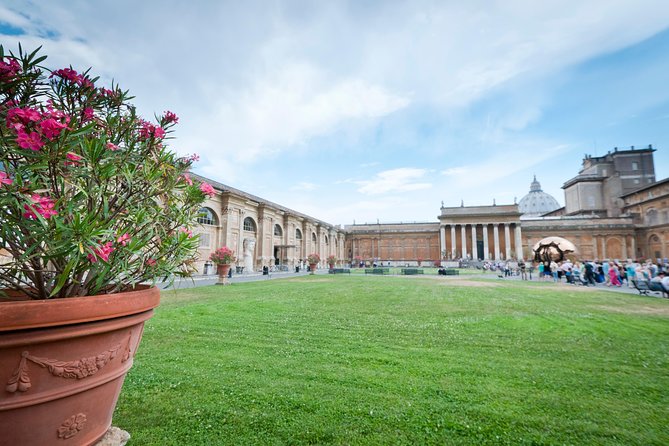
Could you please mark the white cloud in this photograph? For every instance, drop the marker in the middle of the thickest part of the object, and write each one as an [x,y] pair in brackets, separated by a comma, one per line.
[304,186]
[395,180]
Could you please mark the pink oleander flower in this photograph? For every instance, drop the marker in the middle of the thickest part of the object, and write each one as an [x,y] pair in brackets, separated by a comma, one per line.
[22,115]
[170,118]
[187,179]
[194,158]
[73,159]
[151,262]
[124,239]
[43,206]
[87,114]
[148,130]
[71,75]
[101,253]
[207,189]
[111,146]
[52,128]
[67,74]
[186,231]
[31,140]
[9,69]
[4,179]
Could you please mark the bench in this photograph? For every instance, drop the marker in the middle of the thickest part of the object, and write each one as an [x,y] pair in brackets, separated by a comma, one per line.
[411,271]
[377,270]
[339,271]
[448,272]
[657,287]
[648,286]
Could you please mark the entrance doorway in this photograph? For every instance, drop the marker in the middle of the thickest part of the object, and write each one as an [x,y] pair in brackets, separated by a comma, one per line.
[479,250]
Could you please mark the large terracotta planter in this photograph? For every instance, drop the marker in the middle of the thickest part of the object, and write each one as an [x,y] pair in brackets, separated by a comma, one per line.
[223,269]
[63,362]
[312,268]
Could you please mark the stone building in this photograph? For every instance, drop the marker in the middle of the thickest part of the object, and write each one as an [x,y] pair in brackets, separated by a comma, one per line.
[261,233]
[614,209]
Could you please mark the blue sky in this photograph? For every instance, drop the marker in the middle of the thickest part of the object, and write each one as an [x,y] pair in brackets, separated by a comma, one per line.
[358,111]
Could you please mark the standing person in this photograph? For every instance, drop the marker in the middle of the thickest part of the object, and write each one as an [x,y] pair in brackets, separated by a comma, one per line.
[613,275]
[523,272]
[589,273]
[631,273]
[606,266]
[541,271]
[554,270]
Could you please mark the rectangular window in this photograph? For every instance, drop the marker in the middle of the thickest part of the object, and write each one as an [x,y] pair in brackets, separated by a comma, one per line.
[635,165]
[205,240]
[636,181]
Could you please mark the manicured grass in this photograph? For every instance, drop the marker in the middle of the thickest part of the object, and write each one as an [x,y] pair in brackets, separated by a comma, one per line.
[400,360]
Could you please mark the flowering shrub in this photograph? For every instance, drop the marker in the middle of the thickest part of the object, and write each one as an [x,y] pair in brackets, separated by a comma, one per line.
[91,199]
[313,258]
[222,256]
[332,260]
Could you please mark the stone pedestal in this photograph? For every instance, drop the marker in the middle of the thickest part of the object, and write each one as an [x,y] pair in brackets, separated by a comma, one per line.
[114,437]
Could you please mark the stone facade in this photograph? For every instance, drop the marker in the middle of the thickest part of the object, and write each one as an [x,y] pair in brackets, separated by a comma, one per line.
[614,209]
[262,233]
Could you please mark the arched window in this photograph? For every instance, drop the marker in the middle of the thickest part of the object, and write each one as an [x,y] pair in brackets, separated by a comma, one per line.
[298,234]
[206,217]
[249,224]
[278,231]
[313,237]
[327,241]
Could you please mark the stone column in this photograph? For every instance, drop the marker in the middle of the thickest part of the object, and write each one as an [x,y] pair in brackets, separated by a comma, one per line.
[519,242]
[624,248]
[442,241]
[633,247]
[474,251]
[453,241]
[463,237]
[603,248]
[486,248]
[595,242]
[507,242]
[495,233]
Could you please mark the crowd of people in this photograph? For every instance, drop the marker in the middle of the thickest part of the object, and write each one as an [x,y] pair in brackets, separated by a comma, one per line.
[613,273]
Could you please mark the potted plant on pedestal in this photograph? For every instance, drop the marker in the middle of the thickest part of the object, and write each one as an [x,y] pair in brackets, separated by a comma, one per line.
[331,261]
[312,260]
[94,208]
[223,258]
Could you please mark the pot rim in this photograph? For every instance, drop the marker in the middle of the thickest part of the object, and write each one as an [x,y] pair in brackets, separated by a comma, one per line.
[29,314]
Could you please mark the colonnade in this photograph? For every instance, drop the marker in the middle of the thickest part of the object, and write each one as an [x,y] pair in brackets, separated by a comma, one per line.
[480,231]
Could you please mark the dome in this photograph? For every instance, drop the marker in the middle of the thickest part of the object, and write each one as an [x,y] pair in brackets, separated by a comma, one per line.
[537,202]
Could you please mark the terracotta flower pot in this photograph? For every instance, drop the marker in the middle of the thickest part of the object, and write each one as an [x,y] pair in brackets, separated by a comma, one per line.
[312,268]
[63,362]
[223,269]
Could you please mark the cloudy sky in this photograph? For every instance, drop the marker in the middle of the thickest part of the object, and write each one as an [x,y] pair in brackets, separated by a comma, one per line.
[366,110]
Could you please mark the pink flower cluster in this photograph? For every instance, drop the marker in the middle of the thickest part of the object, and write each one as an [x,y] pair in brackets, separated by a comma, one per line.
[71,75]
[104,251]
[207,189]
[9,69]
[32,127]
[148,130]
[186,231]
[170,118]
[101,253]
[43,206]
[4,179]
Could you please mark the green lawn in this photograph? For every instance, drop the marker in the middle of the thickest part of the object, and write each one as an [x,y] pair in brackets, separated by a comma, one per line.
[400,360]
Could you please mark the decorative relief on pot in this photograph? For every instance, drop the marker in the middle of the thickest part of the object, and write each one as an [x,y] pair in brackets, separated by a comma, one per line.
[128,352]
[78,369]
[72,426]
